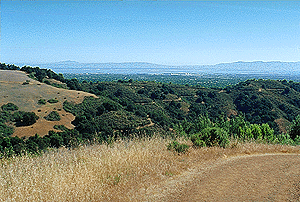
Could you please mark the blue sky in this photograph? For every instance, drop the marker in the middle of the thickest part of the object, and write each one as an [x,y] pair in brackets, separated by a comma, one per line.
[162,32]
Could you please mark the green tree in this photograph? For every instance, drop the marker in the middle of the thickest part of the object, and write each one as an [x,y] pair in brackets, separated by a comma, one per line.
[9,107]
[25,118]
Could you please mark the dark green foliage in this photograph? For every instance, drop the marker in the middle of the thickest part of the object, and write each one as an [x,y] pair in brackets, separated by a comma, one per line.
[5,116]
[104,117]
[52,101]
[53,116]
[6,130]
[295,128]
[92,107]
[69,107]
[211,136]
[41,74]
[55,139]
[47,82]
[188,128]
[177,147]
[11,146]
[18,145]
[60,127]
[9,107]
[73,84]
[35,144]
[42,101]
[24,118]
[8,67]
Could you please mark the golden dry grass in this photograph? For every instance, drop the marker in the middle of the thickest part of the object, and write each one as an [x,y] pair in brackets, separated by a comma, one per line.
[122,172]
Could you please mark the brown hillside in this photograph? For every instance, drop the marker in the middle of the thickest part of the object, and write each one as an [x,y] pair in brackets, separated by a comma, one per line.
[12,89]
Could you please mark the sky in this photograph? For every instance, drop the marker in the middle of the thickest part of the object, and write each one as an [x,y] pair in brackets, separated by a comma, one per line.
[161,32]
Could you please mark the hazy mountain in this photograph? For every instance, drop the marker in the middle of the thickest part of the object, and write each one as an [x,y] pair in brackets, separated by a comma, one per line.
[257,67]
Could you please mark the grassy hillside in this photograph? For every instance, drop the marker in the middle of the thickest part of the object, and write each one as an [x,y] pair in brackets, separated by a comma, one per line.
[17,88]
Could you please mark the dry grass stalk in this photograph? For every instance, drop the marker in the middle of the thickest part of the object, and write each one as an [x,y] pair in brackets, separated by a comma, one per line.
[102,173]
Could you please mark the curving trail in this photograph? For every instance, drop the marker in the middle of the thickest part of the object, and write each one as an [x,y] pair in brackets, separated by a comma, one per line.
[268,177]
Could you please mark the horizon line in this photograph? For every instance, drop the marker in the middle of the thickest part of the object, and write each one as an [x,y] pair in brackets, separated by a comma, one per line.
[64,61]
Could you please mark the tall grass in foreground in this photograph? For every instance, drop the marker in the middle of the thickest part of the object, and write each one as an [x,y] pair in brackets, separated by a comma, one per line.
[120,172]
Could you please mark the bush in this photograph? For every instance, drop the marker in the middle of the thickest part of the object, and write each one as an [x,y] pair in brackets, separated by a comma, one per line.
[52,101]
[53,116]
[9,107]
[42,101]
[197,141]
[295,129]
[177,147]
[211,136]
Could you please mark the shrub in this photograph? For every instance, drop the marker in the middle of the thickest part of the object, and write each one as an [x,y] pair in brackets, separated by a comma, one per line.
[42,101]
[285,139]
[52,101]
[197,141]
[53,116]
[177,147]
[267,132]
[295,129]
[211,136]
[256,131]
[9,107]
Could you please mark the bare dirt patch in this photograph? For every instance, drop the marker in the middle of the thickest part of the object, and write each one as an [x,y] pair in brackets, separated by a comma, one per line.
[267,177]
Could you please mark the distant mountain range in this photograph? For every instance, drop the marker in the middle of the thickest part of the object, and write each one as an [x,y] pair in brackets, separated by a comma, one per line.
[257,67]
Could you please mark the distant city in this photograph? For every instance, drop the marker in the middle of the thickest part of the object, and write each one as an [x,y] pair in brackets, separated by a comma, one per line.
[257,67]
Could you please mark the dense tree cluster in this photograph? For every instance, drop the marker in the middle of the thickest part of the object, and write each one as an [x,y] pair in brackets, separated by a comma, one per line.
[41,74]
[24,118]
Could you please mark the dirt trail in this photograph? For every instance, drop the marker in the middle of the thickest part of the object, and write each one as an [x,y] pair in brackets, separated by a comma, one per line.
[268,177]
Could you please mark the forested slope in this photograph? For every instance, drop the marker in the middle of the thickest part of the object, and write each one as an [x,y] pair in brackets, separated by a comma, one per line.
[125,108]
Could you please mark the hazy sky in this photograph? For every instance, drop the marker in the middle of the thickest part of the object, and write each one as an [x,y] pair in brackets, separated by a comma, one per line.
[162,32]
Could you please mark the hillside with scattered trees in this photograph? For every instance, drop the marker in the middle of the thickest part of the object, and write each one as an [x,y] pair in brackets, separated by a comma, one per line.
[254,109]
